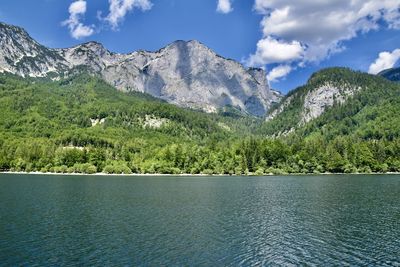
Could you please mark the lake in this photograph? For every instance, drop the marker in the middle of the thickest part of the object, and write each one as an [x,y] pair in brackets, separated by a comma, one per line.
[209,221]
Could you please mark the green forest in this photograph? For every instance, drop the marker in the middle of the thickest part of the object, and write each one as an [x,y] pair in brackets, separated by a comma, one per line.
[83,125]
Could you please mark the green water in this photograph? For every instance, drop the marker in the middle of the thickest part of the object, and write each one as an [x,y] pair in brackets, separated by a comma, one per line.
[207,221]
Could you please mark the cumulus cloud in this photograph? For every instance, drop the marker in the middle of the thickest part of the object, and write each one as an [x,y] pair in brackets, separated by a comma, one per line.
[386,60]
[119,9]
[278,72]
[224,6]
[320,26]
[270,50]
[77,29]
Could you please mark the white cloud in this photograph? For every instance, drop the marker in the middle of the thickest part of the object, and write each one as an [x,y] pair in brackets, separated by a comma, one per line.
[321,26]
[78,7]
[81,31]
[386,60]
[119,9]
[270,50]
[77,29]
[278,72]
[224,6]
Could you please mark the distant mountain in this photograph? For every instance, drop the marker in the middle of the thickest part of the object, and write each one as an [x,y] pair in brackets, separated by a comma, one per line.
[392,74]
[185,73]
[333,96]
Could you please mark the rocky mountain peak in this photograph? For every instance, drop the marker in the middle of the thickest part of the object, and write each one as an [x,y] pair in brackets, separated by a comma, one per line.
[14,31]
[21,54]
[91,47]
[189,43]
[185,73]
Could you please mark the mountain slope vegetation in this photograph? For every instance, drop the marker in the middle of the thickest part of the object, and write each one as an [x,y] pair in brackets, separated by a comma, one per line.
[354,103]
[83,125]
[84,115]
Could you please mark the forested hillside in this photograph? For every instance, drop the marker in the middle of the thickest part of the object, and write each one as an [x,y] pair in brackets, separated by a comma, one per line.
[83,125]
[356,96]
[49,125]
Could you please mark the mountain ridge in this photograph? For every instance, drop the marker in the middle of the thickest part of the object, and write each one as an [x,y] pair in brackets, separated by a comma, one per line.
[392,74]
[328,91]
[185,73]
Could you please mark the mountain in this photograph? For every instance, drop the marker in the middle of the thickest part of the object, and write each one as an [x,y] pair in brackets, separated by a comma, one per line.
[392,74]
[81,124]
[185,73]
[83,119]
[60,112]
[332,96]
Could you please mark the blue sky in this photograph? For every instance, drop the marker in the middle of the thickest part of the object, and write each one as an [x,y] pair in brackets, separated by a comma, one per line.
[291,39]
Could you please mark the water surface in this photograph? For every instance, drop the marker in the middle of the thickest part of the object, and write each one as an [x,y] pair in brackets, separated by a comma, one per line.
[208,221]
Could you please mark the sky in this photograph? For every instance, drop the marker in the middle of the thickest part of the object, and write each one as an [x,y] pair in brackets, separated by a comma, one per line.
[289,39]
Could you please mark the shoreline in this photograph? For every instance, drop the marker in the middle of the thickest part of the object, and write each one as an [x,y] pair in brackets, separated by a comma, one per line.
[113,174]
[189,174]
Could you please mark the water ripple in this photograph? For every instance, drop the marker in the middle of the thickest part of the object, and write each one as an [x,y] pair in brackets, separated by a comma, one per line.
[224,221]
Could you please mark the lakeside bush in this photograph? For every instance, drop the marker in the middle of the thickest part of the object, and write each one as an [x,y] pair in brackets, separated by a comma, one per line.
[117,168]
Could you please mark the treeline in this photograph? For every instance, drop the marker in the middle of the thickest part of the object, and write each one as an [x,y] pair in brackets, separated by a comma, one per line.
[253,155]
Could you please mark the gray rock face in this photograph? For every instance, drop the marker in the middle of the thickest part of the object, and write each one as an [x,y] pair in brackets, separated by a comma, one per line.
[318,100]
[20,54]
[187,74]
